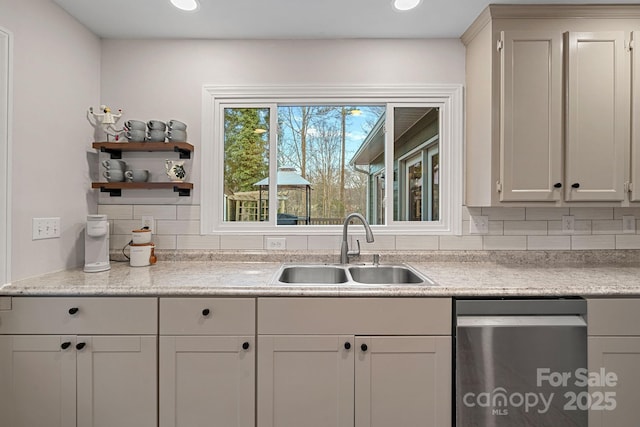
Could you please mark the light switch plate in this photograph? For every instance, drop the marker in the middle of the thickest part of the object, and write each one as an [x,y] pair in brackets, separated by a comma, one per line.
[46,228]
[479,224]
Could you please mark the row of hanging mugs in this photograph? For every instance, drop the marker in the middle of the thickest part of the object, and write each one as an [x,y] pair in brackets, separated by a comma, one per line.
[155,131]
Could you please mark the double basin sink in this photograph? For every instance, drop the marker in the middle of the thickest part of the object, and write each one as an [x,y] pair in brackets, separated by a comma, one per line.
[345,274]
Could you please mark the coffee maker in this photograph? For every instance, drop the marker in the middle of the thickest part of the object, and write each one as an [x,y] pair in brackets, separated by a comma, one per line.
[96,244]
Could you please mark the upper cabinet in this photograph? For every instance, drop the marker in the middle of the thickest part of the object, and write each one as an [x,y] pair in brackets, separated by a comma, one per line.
[548,119]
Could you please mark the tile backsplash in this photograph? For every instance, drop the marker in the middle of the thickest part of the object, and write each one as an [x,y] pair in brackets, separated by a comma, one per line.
[178,227]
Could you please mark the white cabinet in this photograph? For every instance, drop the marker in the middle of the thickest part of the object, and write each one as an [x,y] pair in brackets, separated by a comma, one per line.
[598,116]
[614,345]
[635,119]
[548,105]
[50,360]
[320,363]
[207,362]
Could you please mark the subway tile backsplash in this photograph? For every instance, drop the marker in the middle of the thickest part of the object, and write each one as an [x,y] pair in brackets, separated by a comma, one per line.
[519,229]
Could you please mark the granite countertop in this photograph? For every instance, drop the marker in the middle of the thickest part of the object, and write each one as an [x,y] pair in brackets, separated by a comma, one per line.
[453,277]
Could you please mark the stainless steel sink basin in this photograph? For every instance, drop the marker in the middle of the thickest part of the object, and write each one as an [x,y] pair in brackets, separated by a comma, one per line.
[386,274]
[324,274]
[350,275]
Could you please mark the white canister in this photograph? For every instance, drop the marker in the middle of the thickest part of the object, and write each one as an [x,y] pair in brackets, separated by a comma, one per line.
[142,255]
[141,237]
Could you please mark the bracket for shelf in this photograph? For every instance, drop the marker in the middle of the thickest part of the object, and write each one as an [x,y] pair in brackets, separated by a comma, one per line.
[184,154]
[113,192]
[182,191]
[115,154]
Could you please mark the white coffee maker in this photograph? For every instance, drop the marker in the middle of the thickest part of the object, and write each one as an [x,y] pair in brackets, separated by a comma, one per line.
[96,244]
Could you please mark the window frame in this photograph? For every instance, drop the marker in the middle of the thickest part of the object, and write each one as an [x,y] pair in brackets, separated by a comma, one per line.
[447,97]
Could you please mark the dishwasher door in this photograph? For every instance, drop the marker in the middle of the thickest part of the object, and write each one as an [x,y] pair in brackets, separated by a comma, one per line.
[520,370]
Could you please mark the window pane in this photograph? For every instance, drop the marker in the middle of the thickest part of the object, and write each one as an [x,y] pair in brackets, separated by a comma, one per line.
[321,150]
[246,164]
[416,164]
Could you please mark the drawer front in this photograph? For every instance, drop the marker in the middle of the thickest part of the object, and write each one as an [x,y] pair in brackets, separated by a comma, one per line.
[355,316]
[79,315]
[613,316]
[207,316]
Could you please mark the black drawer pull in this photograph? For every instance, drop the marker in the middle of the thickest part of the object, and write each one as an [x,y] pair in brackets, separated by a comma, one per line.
[347,345]
[65,345]
[575,185]
[73,310]
[557,185]
[206,312]
[364,347]
[80,345]
[245,345]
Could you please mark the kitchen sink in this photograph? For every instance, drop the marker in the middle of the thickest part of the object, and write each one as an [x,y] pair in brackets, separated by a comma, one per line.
[322,274]
[351,275]
[386,274]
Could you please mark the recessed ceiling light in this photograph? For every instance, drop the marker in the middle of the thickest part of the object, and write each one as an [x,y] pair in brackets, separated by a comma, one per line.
[188,5]
[405,4]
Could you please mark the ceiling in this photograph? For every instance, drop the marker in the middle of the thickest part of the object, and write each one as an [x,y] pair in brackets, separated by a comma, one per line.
[284,19]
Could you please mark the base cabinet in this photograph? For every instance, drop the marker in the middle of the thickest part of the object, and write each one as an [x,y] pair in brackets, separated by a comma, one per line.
[78,381]
[318,372]
[614,349]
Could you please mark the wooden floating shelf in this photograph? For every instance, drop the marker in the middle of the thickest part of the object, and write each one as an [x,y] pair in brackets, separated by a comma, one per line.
[115,149]
[115,188]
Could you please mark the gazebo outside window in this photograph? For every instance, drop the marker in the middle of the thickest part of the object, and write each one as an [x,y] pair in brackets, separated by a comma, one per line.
[290,213]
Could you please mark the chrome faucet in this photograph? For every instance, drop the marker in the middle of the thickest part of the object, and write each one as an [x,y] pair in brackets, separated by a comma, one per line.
[345,253]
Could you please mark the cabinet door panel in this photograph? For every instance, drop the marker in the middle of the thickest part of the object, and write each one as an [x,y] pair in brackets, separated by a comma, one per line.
[203,379]
[597,116]
[305,381]
[635,120]
[117,381]
[619,355]
[403,381]
[37,381]
[531,115]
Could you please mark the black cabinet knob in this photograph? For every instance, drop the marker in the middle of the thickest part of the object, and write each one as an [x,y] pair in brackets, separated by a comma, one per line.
[80,345]
[557,185]
[65,345]
[575,185]
[347,345]
[206,312]
[245,345]
[364,347]
[73,310]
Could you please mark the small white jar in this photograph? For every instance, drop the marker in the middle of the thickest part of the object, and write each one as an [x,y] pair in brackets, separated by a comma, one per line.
[140,237]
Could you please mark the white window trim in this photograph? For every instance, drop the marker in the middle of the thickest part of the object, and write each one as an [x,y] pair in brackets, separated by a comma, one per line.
[446,97]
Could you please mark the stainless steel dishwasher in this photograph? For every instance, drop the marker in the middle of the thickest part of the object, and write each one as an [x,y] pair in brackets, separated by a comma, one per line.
[520,362]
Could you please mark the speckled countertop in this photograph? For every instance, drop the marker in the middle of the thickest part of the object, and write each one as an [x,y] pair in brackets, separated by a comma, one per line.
[599,273]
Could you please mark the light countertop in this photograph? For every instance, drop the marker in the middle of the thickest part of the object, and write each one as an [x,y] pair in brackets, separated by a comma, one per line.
[227,278]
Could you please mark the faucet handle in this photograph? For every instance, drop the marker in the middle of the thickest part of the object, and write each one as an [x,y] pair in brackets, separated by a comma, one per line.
[357,251]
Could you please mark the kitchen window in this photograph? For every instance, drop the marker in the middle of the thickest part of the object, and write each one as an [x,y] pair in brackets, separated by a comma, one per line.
[296,160]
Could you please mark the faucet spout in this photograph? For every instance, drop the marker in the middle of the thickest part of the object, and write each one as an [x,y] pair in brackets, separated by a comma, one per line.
[345,253]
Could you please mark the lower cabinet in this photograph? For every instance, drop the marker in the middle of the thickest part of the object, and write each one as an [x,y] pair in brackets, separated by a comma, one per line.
[333,378]
[614,361]
[207,362]
[78,380]
[78,362]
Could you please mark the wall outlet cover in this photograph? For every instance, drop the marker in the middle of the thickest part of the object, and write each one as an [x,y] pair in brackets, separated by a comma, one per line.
[479,224]
[629,224]
[276,243]
[568,224]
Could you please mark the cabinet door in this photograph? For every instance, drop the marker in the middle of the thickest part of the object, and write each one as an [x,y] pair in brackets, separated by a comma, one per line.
[619,355]
[305,381]
[530,115]
[403,381]
[598,112]
[635,120]
[117,381]
[207,381]
[37,381]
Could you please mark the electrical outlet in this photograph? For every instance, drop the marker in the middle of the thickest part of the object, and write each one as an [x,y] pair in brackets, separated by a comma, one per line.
[147,221]
[46,228]
[568,224]
[629,224]
[276,243]
[479,225]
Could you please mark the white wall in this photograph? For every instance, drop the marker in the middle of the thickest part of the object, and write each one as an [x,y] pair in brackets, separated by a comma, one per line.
[56,78]
[163,79]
